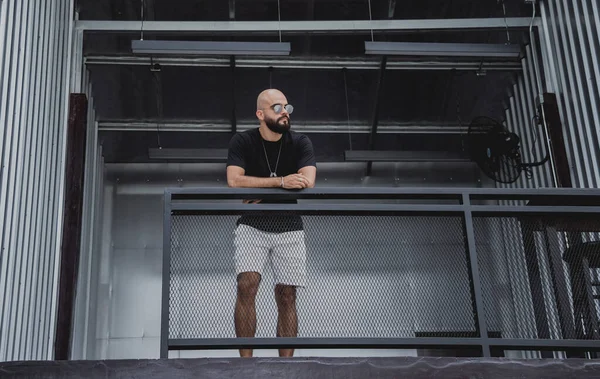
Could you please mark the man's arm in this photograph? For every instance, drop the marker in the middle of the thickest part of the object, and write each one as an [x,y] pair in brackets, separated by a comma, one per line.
[310,173]
[236,178]
[307,161]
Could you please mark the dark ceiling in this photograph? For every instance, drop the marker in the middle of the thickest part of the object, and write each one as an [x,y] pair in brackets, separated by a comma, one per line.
[227,94]
[262,10]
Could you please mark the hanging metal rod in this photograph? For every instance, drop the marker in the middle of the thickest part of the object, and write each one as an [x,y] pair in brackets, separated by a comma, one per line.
[303,63]
[303,27]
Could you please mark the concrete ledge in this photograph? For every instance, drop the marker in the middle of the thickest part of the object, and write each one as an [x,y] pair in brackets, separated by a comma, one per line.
[312,368]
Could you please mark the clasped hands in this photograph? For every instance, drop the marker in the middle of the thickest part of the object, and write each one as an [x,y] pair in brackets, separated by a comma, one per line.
[292,181]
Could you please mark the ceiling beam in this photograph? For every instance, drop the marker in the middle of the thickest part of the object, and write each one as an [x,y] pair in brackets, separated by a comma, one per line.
[224,126]
[302,27]
[402,156]
[335,63]
[220,155]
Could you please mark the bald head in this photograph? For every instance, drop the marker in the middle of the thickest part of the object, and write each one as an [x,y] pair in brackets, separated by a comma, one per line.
[276,121]
[268,97]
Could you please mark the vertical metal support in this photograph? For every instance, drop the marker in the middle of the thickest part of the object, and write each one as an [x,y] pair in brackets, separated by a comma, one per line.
[535,283]
[559,283]
[310,15]
[231,10]
[166,277]
[478,307]
[583,298]
[391,9]
[376,111]
[542,326]
[233,108]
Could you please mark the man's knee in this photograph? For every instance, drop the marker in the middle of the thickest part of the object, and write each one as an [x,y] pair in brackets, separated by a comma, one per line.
[247,284]
[285,295]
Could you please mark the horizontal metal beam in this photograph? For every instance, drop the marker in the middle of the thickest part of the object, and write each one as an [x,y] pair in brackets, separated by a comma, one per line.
[402,156]
[333,63]
[329,27]
[408,343]
[338,209]
[312,127]
[303,342]
[320,209]
[204,155]
[396,192]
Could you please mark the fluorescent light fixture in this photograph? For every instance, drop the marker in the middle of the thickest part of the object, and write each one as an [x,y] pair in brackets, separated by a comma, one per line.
[443,49]
[203,155]
[159,47]
[401,156]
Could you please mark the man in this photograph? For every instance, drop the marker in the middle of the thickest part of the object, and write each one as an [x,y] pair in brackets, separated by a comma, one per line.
[270,156]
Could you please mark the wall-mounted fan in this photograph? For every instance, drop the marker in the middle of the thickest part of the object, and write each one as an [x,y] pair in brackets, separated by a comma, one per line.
[496,150]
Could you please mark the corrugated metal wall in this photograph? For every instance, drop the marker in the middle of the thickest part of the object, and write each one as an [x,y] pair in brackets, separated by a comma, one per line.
[569,65]
[35,46]
[520,119]
[570,44]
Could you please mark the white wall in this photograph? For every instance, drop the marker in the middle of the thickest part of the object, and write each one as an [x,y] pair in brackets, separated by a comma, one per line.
[407,273]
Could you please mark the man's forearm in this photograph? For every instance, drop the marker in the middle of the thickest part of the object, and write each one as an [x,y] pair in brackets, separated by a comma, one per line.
[243,181]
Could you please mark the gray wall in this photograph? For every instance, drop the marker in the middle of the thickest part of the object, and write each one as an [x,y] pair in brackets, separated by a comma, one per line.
[35,59]
[570,44]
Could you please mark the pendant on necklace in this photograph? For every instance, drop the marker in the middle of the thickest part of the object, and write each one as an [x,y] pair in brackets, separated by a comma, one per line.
[273,175]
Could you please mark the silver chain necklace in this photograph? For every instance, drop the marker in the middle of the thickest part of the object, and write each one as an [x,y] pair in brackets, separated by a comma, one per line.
[273,172]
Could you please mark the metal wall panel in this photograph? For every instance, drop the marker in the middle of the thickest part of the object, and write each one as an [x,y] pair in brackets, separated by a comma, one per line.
[570,46]
[35,47]
[520,119]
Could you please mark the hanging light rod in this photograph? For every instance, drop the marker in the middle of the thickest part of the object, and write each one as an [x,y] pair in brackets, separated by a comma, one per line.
[443,49]
[160,47]
[402,156]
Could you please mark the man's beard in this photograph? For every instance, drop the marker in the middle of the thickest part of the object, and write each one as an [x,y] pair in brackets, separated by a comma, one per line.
[276,127]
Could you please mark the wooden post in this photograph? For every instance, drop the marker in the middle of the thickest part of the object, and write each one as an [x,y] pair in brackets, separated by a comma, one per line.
[71,234]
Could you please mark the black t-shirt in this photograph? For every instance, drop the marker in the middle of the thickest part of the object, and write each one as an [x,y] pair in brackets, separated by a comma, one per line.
[294,150]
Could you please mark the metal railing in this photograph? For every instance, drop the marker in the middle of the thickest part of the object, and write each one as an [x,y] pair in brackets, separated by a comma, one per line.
[433,268]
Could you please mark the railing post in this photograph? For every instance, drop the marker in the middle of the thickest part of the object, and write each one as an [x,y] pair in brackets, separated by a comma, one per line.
[166,277]
[481,324]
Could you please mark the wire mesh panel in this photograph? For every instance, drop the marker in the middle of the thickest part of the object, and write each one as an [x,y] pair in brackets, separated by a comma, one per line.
[366,276]
[538,275]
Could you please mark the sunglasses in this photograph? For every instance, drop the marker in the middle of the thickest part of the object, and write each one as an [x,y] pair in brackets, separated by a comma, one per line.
[278,108]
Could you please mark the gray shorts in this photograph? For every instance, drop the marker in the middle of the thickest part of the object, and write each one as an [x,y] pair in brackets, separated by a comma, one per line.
[286,252]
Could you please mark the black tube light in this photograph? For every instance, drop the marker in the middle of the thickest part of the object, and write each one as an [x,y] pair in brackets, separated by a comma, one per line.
[482,50]
[160,47]
[402,156]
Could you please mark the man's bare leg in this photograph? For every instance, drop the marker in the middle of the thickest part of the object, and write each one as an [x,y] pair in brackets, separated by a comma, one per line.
[287,320]
[245,307]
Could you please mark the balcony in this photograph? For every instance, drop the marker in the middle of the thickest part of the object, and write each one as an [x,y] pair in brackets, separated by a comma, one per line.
[437,271]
